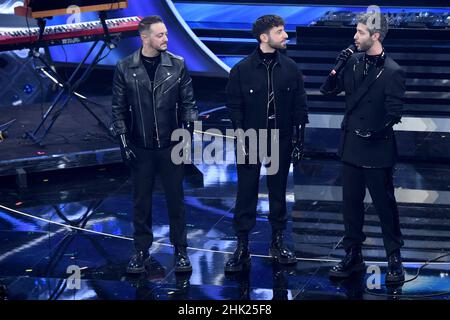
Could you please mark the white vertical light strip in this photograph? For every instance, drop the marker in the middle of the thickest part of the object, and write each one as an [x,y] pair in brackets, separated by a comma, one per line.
[205,49]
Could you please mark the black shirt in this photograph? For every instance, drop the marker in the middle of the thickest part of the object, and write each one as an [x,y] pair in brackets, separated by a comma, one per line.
[370,62]
[150,64]
[269,61]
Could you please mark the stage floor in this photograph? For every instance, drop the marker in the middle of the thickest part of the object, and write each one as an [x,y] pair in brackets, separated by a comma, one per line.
[35,254]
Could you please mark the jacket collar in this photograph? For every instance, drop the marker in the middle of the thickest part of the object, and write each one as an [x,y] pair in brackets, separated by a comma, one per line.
[136,61]
[256,57]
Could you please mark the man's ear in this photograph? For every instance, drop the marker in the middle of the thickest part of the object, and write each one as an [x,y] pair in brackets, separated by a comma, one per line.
[264,37]
[376,36]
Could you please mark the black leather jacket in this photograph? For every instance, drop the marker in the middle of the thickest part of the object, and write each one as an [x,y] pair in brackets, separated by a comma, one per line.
[172,99]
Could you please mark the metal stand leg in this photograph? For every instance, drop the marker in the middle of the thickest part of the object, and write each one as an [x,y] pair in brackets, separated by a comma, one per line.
[70,86]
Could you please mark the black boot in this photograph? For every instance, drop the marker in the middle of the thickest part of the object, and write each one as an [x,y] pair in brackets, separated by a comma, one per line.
[352,263]
[279,251]
[138,262]
[395,272]
[240,258]
[182,262]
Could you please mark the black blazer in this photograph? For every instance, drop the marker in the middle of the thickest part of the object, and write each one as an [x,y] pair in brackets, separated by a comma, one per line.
[370,103]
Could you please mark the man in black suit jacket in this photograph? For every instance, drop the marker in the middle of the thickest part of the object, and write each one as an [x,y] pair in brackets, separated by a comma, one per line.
[374,86]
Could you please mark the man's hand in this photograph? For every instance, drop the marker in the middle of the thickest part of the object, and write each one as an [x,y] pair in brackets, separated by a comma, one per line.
[298,138]
[371,135]
[127,154]
[341,60]
[187,149]
[344,55]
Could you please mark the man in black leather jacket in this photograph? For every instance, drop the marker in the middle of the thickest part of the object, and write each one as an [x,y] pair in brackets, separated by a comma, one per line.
[266,91]
[153,96]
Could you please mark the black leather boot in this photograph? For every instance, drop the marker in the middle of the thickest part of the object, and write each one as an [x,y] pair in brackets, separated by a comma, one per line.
[182,262]
[279,251]
[395,272]
[352,263]
[138,262]
[241,256]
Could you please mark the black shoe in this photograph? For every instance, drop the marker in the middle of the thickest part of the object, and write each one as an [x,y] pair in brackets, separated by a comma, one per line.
[240,258]
[279,251]
[182,262]
[352,263]
[138,262]
[395,272]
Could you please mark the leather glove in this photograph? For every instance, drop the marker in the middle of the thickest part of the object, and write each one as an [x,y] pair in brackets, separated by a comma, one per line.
[378,134]
[298,138]
[344,55]
[189,126]
[371,135]
[341,60]
[185,153]
[127,154]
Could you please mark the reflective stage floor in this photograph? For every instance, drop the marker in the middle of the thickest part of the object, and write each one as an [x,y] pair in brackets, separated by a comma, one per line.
[36,255]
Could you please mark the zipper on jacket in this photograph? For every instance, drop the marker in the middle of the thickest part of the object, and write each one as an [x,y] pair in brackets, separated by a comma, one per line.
[167,90]
[154,104]
[140,108]
[176,113]
[154,108]
[274,104]
[132,119]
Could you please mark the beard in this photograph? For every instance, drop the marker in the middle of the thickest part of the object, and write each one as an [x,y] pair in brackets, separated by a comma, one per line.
[364,46]
[277,45]
[162,49]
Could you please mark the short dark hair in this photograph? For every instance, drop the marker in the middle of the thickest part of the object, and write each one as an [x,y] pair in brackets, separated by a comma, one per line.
[146,23]
[264,23]
[370,20]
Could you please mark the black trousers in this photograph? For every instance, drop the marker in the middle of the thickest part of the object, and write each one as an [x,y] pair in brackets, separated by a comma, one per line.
[247,193]
[144,169]
[379,181]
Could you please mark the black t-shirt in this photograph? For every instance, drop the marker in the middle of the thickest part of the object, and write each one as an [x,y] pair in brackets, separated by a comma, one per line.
[150,64]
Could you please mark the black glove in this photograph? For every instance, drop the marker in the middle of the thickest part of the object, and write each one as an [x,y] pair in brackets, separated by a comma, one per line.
[187,149]
[344,55]
[298,138]
[127,154]
[371,135]
[381,134]
[341,60]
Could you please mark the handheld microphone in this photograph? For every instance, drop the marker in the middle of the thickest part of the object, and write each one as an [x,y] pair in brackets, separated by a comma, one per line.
[341,63]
